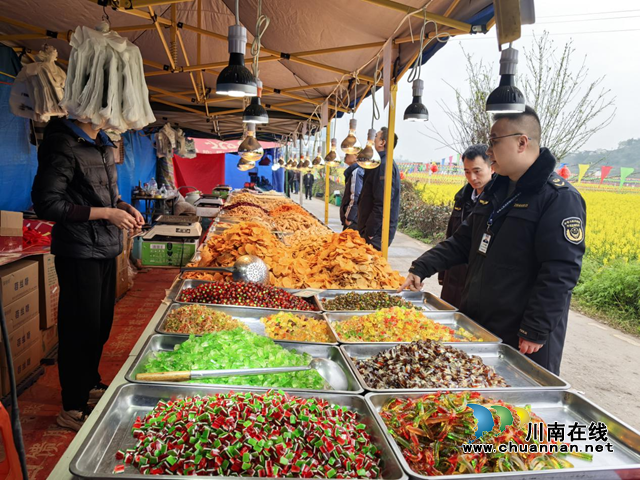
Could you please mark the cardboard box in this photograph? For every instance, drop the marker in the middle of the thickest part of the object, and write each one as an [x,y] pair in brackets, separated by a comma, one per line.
[10,231]
[23,336]
[49,339]
[17,280]
[23,364]
[18,312]
[167,253]
[49,291]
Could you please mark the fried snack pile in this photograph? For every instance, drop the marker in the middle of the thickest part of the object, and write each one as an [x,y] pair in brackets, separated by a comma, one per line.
[327,261]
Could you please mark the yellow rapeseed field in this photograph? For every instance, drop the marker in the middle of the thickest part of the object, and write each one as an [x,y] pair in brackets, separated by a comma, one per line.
[613,218]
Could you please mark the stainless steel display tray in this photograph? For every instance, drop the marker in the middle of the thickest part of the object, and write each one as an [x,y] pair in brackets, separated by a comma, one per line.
[454,320]
[250,316]
[188,283]
[96,457]
[563,407]
[518,371]
[424,300]
[164,343]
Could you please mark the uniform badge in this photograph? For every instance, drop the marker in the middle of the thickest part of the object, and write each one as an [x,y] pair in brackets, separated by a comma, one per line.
[483,202]
[573,230]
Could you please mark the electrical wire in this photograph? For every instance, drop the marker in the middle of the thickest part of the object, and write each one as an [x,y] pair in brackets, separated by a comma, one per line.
[262,24]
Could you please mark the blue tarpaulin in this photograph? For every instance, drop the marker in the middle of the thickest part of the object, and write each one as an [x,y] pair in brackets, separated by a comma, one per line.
[18,160]
[236,179]
[139,163]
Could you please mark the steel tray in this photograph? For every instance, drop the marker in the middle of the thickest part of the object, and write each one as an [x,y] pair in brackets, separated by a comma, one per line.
[189,283]
[518,371]
[96,457]
[163,343]
[563,407]
[454,320]
[250,316]
[424,300]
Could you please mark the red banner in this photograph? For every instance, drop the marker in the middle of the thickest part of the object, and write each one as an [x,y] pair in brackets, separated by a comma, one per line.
[205,172]
[604,172]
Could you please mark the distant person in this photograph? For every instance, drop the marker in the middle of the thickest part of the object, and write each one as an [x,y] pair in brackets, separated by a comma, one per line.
[372,196]
[308,180]
[479,172]
[353,179]
[296,182]
[523,242]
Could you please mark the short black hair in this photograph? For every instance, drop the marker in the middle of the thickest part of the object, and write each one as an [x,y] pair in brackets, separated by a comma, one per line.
[385,134]
[528,120]
[475,151]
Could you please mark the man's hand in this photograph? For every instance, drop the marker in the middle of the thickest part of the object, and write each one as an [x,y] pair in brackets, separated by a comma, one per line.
[121,219]
[133,212]
[412,282]
[528,347]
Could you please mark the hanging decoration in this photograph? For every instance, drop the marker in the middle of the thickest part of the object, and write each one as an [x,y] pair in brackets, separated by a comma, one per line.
[105,81]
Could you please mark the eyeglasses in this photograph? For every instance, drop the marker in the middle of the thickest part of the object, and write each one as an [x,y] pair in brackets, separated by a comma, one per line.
[491,142]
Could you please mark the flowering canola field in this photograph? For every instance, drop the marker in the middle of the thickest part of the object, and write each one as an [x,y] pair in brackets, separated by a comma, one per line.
[613,219]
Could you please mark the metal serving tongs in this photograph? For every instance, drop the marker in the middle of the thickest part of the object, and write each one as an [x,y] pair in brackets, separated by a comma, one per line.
[328,369]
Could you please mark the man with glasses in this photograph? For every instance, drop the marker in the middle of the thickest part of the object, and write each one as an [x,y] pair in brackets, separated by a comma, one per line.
[523,242]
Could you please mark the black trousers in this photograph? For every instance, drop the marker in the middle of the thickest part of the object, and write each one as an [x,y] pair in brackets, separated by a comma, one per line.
[85,316]
[308,190]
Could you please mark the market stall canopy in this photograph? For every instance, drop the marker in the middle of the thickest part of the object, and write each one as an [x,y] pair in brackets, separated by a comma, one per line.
[311,51]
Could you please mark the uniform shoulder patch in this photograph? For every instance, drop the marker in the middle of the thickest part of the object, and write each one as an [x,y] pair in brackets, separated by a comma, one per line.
[483,202]
[558,182]
[573,230]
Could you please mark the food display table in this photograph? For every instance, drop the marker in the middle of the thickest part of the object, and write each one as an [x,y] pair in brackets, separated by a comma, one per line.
[535,391]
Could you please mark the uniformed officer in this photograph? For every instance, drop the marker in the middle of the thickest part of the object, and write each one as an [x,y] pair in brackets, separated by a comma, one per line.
[524,244]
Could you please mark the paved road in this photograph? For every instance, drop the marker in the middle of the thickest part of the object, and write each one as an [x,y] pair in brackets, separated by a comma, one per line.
[599,361]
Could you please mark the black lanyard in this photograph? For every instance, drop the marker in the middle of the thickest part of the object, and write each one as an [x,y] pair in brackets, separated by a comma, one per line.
[505,205]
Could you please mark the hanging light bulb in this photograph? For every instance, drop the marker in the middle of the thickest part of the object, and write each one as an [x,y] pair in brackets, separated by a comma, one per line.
[507,98]
[250,149]
[245,165]
[351,145]
[332,158]
[235,79]
[417,112]
[281,160]
[318,161]
[368,158]
[255,112]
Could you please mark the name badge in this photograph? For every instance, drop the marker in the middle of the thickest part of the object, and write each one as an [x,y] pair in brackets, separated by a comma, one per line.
[484,243]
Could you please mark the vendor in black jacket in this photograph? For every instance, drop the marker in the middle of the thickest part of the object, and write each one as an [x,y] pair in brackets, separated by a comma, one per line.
[76,187]
[523,242]
[372,196]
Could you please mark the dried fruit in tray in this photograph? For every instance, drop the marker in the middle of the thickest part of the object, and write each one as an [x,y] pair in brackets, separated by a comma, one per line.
[431,430]
[397,324]
[238,349]
[427,364]
[253,435]
[197,319]
[297,328]
[245,294]
[289,209]
[366,301]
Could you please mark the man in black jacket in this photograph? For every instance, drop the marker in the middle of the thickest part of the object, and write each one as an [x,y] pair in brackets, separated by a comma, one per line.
[76,187]
[523,242]
[353,177]
[308,180]
[372,196]
[478,171]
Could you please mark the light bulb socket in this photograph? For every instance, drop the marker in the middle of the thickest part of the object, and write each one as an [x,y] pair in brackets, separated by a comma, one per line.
[353,124]
[417,87]
[508,61]
[371,135]
[237,39]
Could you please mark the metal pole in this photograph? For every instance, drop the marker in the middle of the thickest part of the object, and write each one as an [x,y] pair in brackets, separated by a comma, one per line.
[327,171]
[388,173]
[300,186]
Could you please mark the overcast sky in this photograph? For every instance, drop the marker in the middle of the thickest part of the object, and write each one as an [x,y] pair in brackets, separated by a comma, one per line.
[606,32]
